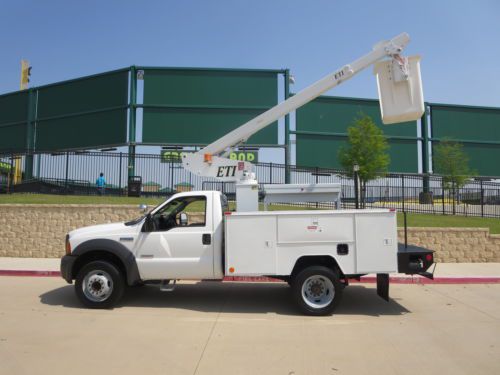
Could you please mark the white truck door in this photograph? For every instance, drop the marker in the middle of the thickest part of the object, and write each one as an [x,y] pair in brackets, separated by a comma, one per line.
[179,242]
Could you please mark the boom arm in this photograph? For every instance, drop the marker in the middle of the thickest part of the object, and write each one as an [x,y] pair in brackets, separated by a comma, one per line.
[206,162]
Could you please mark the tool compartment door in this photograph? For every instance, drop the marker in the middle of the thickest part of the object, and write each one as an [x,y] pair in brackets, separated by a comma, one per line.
[250,245]
[376,242]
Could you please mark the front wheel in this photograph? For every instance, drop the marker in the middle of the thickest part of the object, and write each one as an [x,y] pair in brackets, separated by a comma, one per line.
[99,285]
[317,290]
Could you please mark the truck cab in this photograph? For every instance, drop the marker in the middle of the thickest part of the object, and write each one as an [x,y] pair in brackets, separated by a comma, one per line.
[182,238]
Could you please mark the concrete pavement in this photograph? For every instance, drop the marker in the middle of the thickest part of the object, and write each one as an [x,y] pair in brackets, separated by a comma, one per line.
[248,328]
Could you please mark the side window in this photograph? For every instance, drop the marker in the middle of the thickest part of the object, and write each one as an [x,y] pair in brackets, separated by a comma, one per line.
[181,212]
[196,212]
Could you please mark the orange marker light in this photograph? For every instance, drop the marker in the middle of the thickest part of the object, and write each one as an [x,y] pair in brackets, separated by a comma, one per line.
[68,246]
[231,269]
[207,158]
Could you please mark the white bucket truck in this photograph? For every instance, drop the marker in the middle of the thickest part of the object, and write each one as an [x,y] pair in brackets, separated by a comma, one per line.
[316,252]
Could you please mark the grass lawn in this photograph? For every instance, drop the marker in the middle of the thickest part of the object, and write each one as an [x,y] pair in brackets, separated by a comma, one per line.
[428,220]
[74,199]
[414,220]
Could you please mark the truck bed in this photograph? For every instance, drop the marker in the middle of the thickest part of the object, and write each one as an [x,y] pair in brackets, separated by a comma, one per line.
[270,242]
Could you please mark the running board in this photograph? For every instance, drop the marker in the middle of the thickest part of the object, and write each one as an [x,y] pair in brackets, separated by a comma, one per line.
[166,286]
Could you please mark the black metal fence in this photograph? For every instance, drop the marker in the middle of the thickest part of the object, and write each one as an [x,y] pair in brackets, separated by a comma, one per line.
[76,173]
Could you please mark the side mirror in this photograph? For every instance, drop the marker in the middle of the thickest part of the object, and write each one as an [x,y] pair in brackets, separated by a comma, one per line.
[183,219]
[143,207]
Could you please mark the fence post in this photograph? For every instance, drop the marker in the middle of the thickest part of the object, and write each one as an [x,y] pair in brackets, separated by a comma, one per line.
[442,191]
[120,176]
[67,171]
[39,165]
[453,196]
[403,190]
[171,175]
[482,197]
[9,175]
[356,188]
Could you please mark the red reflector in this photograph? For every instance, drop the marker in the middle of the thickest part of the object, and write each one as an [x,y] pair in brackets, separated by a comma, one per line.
[428,257]
[227,213]
[392,209]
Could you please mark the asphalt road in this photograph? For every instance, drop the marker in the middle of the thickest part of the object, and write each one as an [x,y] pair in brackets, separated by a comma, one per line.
[244,328]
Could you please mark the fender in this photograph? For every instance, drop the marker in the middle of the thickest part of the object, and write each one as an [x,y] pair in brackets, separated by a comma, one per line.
[115,248]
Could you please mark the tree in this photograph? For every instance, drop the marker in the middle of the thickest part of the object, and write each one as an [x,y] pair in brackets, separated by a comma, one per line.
[367,148]
[451,161]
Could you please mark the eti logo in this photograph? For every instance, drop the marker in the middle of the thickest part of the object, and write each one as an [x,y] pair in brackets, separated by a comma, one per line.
[226,171]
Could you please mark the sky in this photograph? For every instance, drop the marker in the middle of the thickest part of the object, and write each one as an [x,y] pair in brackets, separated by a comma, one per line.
[457,40]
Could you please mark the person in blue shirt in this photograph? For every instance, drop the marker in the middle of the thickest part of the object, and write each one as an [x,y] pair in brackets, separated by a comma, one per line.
[101,184]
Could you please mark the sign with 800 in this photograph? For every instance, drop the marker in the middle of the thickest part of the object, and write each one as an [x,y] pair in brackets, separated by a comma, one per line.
[174,156]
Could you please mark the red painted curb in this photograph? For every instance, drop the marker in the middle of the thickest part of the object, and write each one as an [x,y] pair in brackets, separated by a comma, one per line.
[29,273]
[364,279]
[436,280]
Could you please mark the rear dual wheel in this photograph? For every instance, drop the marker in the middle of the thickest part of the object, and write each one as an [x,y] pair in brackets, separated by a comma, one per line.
[317,290]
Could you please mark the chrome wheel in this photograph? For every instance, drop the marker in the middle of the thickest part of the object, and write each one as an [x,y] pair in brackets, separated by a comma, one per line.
[97,286]
[318,291]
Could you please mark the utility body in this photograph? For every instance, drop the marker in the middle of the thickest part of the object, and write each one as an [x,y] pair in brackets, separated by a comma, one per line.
[194,235]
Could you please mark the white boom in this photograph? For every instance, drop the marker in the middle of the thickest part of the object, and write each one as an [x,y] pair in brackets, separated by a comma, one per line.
[208,162]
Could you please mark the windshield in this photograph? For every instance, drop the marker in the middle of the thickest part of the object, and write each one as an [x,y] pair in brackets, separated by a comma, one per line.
[142,217]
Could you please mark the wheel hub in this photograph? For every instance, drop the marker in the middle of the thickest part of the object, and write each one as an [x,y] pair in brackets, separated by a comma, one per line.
[318,291]
[97,286]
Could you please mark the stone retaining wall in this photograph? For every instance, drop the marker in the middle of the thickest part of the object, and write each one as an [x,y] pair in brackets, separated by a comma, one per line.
[456,245]
[38,231]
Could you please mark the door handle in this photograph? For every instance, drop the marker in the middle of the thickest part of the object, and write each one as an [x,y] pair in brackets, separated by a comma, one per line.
[206,239]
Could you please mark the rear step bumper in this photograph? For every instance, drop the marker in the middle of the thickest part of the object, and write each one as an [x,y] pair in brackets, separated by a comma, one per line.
[412,260]
[415,260]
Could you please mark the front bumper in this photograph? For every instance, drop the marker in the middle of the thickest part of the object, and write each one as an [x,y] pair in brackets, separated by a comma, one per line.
[67,263]
[415,260]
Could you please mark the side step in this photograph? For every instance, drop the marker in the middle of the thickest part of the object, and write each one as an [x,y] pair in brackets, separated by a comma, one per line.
[166,286]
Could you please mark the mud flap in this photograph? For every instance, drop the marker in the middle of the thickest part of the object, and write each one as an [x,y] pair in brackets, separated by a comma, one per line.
[383,285]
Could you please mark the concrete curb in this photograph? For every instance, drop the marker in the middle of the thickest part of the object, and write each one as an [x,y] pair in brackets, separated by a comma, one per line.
[396,279]
[30,273]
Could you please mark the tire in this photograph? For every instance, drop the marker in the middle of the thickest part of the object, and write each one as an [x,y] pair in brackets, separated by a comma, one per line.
[317,290]
[99,285]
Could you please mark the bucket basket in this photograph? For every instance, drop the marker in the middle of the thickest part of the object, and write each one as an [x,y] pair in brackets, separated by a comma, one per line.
[400,89]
